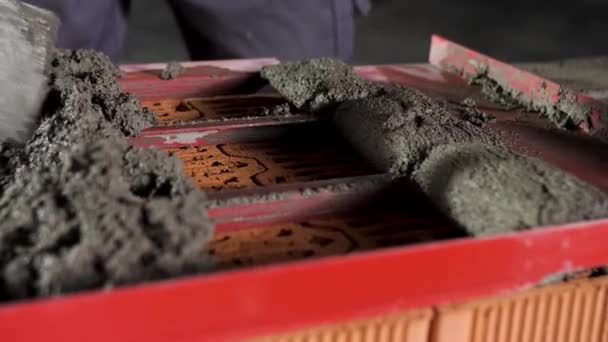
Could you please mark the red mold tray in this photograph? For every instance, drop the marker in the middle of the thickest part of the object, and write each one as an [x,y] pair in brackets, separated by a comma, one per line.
[347,251]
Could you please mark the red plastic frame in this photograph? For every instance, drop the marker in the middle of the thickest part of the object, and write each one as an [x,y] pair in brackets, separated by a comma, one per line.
[234,305]
[452,57]
[273,299]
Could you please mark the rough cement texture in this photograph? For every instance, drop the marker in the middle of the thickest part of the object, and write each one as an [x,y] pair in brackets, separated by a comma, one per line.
[565,113]
[396,131]
[463,167]
[343,186]
[283,109]
[94,76]
[470,113]
[276,112]
[489,190]
[79,207]
[585,75]
[171,71]
[495,92]
[318,83]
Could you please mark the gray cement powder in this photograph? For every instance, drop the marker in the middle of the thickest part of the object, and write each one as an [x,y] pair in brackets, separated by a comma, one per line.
[464,169]
[490,190]
[172,71]
[80,208]
[318,83]
[280,110]
[469,112]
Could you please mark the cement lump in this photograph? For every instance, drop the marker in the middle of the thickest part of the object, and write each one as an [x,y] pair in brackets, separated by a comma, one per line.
[85,223]
[318,83]
[81,209]
[565,113]
[172,71]
[489,190]
[469,112]
[396,131]
[463,167]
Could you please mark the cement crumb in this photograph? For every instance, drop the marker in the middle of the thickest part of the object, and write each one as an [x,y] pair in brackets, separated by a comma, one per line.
[80,208]
[470,113]
[569,275]
[495,92]
[283,109]
[566,113]
[489,190]
[396,131]
[172,71]
[464,168]
[93,75]
[318,83]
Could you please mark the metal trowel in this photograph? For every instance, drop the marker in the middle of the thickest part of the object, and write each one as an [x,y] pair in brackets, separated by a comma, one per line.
[27,33]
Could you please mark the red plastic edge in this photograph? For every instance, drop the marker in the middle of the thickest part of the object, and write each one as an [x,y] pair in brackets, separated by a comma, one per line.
[455,58]
[229,306]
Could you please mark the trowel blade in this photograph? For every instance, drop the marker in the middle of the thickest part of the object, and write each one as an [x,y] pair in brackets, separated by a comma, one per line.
[27,33]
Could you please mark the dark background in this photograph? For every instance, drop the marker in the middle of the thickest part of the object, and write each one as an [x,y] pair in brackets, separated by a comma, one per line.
[399,30]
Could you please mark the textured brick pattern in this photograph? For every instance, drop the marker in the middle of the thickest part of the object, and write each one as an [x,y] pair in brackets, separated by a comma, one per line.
[569,312]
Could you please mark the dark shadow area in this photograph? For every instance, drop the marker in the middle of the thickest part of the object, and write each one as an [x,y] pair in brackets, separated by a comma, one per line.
[399,30]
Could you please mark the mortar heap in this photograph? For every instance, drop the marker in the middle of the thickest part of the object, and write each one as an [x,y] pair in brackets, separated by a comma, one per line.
[465,168]
[79,207]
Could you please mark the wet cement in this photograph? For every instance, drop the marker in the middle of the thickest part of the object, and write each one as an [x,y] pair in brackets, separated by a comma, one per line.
[318,83]
[489,190]
[80,208]
[172,71]
[468,111]
[462,166]
[277,112]
[566,113]
[588,76]
[93,77]
[396,131]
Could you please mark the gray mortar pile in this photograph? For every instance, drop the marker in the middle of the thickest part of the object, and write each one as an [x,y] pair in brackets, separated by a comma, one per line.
[397,130]
[490,190]
[80,208]
[461,165]
[318,84]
